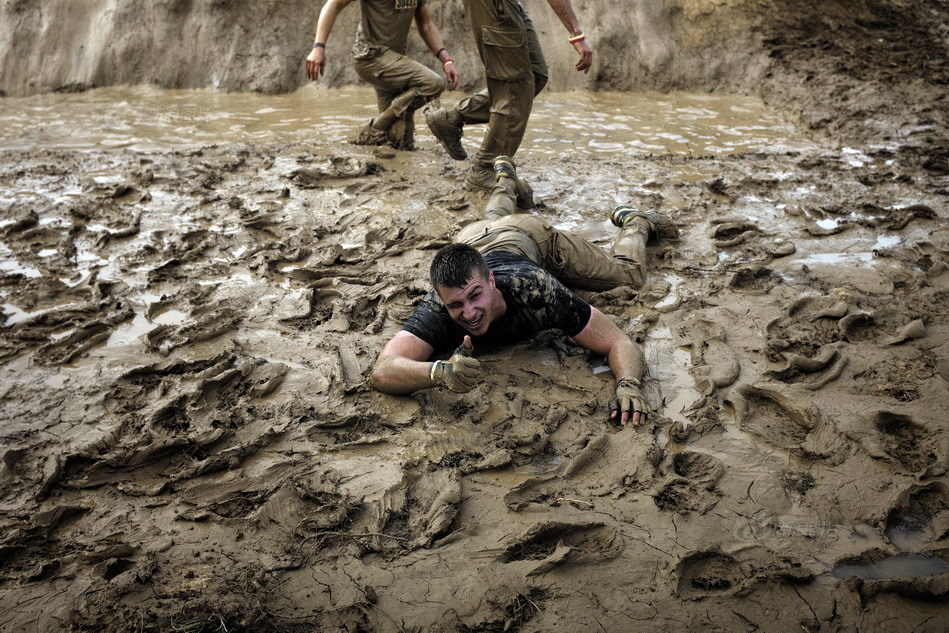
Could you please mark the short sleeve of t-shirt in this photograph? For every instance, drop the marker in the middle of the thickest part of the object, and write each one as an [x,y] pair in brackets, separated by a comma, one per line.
[536,301]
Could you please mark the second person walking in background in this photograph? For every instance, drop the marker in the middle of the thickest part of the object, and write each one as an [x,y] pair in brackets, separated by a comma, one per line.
[515,71]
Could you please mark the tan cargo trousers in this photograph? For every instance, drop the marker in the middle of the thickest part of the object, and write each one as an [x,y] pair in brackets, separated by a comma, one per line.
[401,83]
[578,263]
[515,72]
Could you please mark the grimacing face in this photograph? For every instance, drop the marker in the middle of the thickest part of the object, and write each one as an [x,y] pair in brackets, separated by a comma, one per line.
[475,305]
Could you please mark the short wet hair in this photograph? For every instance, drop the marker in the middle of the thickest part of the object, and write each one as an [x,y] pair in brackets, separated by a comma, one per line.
[452,266]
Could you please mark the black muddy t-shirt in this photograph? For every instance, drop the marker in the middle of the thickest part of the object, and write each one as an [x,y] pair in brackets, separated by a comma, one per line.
[536,301]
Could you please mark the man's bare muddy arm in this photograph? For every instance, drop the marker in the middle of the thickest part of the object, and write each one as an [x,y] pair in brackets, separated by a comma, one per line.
[403,365]
[316,60]
[626,361]
[564,11]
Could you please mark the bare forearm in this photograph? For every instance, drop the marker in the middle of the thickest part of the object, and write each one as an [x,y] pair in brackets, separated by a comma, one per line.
[398,375]
[626,360]
[328,18]
[564,11]
[430,35]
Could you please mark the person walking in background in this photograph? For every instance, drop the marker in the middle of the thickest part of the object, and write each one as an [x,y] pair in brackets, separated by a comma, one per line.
[515,71]
[402,85]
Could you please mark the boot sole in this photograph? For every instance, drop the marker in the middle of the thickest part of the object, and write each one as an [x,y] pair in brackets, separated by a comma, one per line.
[455,155]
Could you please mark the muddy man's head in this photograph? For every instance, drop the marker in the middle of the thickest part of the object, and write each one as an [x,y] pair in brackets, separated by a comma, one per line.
[466,288]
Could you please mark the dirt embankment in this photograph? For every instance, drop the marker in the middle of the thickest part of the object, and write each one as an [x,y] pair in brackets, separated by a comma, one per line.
[848,67]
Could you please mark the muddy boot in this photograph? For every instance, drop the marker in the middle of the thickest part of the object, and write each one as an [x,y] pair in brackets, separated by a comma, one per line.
[378,131]
[369,134]
[660,225]
[446,125]
[480,177]
[402,132]
[504,168]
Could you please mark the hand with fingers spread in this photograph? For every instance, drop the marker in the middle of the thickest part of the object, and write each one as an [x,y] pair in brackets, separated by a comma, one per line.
[461,372]
[628,404]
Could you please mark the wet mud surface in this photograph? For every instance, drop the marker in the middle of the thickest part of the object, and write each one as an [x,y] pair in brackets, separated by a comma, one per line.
[189,442]
[189,438]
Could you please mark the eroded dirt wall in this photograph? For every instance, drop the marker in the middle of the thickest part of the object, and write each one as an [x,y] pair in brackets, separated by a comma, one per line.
[244,45]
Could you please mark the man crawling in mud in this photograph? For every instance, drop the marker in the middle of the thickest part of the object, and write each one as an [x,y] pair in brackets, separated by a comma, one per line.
[506,278]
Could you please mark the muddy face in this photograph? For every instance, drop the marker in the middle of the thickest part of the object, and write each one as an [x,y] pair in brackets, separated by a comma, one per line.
[474,306]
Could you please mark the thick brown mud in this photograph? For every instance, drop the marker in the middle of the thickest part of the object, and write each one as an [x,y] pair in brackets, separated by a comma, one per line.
[189,442]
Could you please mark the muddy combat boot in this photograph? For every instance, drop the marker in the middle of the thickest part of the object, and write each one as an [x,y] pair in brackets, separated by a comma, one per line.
[660,225]
[504,168]
[379,130]
[369,134]
[446,125]
[480,177]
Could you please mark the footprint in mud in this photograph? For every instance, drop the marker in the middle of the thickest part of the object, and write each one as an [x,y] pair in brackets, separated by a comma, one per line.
[905,442]
[770,417]
[240,504]
[810,324]
[729,232]
[65,334]
[698,468]
[714,364]
[553,544]
[335,168]
[911,523]
[504,608]
[814,372]
[857,326]
[821,222]
[207,323]
[893,219]
[112,567]
[741,232]
[754,279]
[683,497]
[693,489]
[708,573]
[417,510]
[607,464]
[715,573]
[911,575]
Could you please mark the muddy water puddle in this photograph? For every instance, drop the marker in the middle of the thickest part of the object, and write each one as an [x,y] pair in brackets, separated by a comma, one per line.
[561,123]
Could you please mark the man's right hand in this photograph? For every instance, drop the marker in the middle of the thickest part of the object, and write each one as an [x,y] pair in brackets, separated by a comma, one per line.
[461,372]
[315,62]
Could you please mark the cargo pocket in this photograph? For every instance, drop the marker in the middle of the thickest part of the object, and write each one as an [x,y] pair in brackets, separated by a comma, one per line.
[506,55]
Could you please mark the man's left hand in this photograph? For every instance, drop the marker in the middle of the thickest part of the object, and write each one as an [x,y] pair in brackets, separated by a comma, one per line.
[586,56]
[452,78]
[628,404]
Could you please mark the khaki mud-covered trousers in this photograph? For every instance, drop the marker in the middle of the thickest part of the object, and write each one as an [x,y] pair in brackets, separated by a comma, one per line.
[515,71]
[578,263]
[402,84]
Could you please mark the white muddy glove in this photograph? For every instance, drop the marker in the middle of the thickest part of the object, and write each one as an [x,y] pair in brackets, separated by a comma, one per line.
[460,373]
